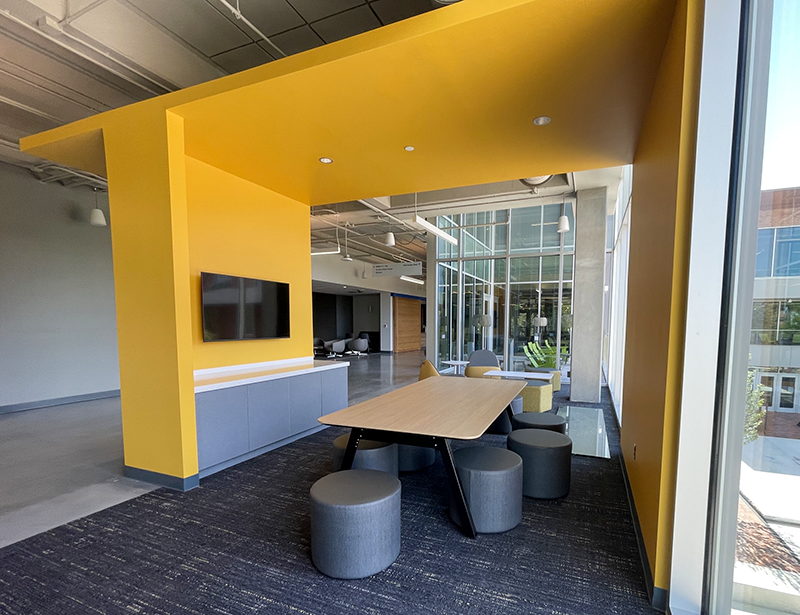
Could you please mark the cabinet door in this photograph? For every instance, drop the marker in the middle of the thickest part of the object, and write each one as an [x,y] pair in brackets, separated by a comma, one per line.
[334,389]
[305,401]
[221,425]
[270,416]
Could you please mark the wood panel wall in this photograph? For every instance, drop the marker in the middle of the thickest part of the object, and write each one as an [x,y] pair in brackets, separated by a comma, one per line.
[407,324]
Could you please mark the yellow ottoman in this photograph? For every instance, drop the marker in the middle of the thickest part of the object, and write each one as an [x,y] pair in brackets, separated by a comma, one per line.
[537,397]
[556,381]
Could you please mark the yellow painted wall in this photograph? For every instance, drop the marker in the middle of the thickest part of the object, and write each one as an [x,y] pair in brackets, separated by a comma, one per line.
[661,206]
[239,228]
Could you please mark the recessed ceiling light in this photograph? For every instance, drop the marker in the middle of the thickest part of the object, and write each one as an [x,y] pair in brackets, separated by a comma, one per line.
[409,148]
[542,120]
[328,160]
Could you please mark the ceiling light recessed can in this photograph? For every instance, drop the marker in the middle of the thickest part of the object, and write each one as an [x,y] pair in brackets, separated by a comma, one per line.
[409,148]
[325,160]
[542,120]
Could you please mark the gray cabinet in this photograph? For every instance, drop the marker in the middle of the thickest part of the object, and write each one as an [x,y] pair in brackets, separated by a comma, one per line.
[241,421]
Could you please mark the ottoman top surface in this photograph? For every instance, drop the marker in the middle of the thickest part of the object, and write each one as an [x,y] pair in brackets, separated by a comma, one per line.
[341,442]
[539,438]
[538,383]
[486,458]
[354,487]
[540,418]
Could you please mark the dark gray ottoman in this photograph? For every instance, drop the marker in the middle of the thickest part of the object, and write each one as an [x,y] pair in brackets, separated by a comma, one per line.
[371,455]
[414,458]
[540,420]
[546,459]
[491,478]
[355,523]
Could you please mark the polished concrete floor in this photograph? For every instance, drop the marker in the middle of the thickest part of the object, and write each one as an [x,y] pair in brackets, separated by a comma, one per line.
[65,462]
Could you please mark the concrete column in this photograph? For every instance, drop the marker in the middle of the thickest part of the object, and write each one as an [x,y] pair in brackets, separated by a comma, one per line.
[387,331]
[587,300]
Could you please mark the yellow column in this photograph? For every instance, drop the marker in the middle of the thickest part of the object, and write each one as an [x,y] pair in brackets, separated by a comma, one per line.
[147,193]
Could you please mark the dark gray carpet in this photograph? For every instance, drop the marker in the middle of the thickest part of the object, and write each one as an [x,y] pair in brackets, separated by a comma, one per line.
[240,544]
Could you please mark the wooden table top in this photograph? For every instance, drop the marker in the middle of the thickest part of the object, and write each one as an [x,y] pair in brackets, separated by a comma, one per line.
[459,408]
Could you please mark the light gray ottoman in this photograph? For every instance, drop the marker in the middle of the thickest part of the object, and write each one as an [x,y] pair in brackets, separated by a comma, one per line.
[540,420]
[516,404]
[355,523]
[414,458]
[546,459]
[371,455]
[491,478]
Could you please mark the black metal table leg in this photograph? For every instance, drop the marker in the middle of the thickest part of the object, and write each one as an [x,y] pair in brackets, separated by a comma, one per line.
[467,525]
[352,446]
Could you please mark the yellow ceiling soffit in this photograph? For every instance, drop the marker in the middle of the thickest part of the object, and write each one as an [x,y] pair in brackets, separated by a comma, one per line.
[461,84]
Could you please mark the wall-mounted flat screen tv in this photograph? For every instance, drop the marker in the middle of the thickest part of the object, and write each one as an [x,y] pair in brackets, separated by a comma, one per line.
[237,308]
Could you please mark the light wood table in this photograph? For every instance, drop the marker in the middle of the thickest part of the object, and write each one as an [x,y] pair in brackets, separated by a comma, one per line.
[520,375]
[429,413]
[457,364]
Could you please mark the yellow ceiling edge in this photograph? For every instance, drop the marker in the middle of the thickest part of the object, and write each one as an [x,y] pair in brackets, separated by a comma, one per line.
[61,144]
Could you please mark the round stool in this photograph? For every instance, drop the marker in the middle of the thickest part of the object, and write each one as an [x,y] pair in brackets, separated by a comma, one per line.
[370,455]
[546,460]
[516,404]
[491,478]
[543,420]
[414,458]
[355,523]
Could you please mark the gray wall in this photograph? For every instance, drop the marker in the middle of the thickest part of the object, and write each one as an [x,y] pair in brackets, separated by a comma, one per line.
[366,313]
[57,321]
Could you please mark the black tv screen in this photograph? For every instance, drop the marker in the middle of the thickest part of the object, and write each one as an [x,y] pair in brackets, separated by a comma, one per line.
[237,308]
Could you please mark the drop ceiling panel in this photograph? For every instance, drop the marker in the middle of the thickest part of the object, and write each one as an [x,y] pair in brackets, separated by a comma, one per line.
[243,58]
[129,34]
[269,16]
[313,10]
[297,40]
[196,22]
[390,11]
[352,22]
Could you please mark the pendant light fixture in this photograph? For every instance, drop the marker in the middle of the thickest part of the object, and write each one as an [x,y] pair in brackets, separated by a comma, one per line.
[347,258]
[563,221]
[97,217]
[389,239]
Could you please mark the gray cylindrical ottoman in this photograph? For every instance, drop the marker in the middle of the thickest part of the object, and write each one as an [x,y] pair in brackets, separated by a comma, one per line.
[546,459]
[414,458]
[355,523]
[370,455]
[540,420]
[516,404]
[491,478]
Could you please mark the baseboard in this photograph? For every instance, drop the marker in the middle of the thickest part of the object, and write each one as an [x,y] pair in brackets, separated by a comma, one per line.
[58,401]
[659,597]
[163,480]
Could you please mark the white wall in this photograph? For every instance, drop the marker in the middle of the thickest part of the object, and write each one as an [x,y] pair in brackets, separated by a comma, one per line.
[57,321]
[331,268]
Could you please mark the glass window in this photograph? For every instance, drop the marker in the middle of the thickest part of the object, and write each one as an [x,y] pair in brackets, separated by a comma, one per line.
[525,269]
[550,268]
[787,252]
[766,240]
[568,262]
[526,229]
[787,392]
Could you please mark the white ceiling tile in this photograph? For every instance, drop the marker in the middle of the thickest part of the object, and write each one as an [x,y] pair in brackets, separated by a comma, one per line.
[296,41]
[243,58]
[313,10]
[391,11]
[352,22]
[196,22]
[269,16]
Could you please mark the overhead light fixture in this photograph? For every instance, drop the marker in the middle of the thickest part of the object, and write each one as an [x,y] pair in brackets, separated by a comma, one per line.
[427,226]
[325,160]
[346,256]
[563,221]
[409,148]
[413,280]
[389,239]
[540,321]
[542,120]
[97,217]
[535,182]
[338,250]
[364,272]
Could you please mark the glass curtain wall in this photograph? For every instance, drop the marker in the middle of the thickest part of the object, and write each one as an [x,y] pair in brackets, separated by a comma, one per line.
[509,281]
[755,538]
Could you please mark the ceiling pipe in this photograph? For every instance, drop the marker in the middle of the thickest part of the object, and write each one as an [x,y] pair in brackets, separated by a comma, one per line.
[238,14]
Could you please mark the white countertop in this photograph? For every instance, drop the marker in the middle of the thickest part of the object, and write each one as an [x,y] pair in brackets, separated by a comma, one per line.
[224,381]
[521,375]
